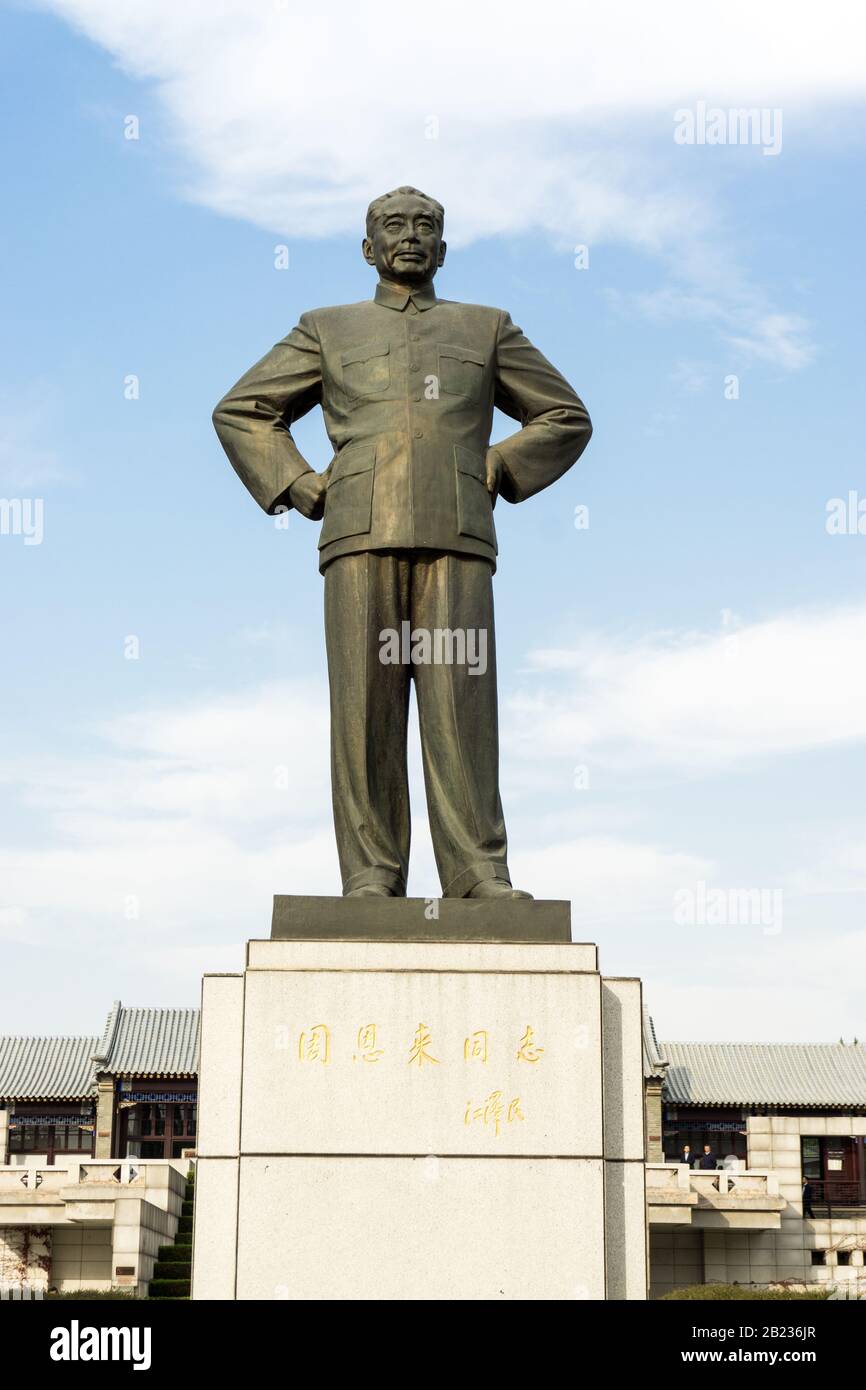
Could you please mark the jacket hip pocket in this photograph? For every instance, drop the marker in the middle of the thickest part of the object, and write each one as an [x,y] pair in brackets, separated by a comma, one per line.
[349,498]
[474,507]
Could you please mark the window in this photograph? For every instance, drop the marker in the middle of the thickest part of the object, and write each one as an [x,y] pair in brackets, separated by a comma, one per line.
[819,1257]
[833,1173]
[159,1129]
[52,1140]
[73,1139]
[812,1158]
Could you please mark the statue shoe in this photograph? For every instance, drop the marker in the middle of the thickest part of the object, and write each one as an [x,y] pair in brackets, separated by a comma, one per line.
[496,888]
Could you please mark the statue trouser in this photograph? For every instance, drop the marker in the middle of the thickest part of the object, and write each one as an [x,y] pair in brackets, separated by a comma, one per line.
[402,594]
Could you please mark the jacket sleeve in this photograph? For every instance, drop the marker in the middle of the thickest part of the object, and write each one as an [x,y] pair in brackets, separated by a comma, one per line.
[555,423]
[253,420]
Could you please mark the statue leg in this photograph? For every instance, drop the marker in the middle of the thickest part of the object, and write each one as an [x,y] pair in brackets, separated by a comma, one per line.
[452,596]
[364,595]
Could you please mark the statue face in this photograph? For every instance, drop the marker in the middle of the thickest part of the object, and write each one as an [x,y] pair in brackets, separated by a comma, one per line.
[406,245]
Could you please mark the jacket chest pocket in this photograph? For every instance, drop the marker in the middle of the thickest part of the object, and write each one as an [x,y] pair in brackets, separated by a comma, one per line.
[366,370]
[349,499]
[461,370]
[474,507]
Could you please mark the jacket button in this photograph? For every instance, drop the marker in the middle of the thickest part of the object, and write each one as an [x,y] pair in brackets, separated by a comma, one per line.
[419,434]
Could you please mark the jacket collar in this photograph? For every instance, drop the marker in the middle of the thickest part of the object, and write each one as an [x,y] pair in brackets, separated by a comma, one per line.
[393,298]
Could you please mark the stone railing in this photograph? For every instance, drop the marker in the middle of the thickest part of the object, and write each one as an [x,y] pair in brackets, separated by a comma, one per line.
[116,1172]
[158,1180]
[722,1189]
[17,1180]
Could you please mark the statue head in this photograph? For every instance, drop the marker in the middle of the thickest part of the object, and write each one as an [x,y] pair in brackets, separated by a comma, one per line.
[404,236]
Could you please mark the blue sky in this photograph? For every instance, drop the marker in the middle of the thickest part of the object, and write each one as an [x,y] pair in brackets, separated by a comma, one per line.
[699,649]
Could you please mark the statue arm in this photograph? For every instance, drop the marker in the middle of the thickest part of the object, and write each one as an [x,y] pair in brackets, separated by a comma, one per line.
[555,423]
[254,419]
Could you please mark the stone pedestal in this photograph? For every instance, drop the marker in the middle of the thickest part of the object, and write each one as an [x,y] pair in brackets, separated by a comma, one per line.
[455,1116]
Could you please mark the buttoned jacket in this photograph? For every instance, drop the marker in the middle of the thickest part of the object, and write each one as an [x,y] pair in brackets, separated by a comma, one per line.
[407,383]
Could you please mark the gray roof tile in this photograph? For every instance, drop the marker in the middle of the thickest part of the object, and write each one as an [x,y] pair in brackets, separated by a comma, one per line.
[46,1068]
[830,1075]
[149,1042]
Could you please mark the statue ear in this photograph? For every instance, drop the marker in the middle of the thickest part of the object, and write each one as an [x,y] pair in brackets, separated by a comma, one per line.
[367,251]
[443,247]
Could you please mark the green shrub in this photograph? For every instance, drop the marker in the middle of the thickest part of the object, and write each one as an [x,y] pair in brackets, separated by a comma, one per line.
[95,1293]
[169,1288]
[734,1292]
[172,1269]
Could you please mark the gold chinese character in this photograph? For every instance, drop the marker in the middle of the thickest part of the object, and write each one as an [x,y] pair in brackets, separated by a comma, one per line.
[419,1051]
[315,1046]
[475,1047]
[528,1051]
[367,1044]
[492,1111]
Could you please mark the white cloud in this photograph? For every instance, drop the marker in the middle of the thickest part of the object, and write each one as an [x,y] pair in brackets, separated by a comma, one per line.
[742,315]
[156,856]
[774,989]
[612,881]
[561,121]
[698,701]
[184,814]
[778,338]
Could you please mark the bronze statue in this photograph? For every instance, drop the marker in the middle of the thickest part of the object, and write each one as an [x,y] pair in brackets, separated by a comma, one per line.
[407,383]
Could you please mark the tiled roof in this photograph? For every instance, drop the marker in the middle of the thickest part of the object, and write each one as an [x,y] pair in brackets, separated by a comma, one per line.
[46,1068]
[149,1042]
[654,1064]
[830,1075]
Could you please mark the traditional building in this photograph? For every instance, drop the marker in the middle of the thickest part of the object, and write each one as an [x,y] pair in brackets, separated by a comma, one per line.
[146,1076]
[47,1098]
[96,1134]
[775,1186]
[131,1093]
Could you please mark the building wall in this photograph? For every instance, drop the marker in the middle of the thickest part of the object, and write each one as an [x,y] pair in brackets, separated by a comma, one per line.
[774,1142]
[679,1258]
[103,1146]
[654,1121]
[81,1257]
[25,1255]
[676,1260]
